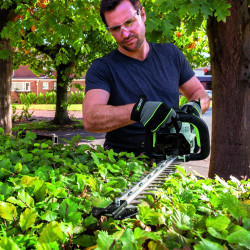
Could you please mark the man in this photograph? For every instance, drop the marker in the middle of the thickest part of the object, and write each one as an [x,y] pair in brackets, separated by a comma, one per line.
[136,86]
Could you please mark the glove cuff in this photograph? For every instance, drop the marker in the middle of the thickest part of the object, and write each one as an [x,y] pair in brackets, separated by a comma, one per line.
[192,107]
[136,111]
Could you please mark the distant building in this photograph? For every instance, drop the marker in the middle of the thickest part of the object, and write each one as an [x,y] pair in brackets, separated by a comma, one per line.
[205,77]
[25,81]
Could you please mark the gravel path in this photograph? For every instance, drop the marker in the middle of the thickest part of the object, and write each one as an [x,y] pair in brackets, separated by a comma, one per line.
[48,115]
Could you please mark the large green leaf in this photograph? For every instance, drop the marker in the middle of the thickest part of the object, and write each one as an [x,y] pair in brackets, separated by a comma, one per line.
[15,201]
[234,206]
[26,198]
[241,237]
[128,240]
[246,223]
[68,211]
[66,207]
[219,223]
[220,234]
[181,220]
[141,236]
[6,189]
[206,244]
[100,201]
[40,191]
[27,219]
[188,209]
[6,168]
[150,217]
[90,220]
[7,211]
[51,233]
[49,216]
[8,244]
[104,240]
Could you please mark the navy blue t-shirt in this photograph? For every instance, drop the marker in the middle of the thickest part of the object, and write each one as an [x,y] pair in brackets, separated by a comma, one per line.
[158,77]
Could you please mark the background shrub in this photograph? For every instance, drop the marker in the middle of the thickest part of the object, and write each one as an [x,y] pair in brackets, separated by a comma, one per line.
[50,98]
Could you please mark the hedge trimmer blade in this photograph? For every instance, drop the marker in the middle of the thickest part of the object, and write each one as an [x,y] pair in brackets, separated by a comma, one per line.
[121,208]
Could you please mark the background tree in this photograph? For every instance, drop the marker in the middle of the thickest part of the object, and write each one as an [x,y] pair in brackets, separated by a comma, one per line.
[66,36]
[60,35]
[230,62]
[7,13]
[229,42]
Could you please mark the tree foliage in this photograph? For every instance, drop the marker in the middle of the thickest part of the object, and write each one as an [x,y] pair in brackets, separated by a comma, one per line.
[46,34]
[183,23]
[49,33]
[61,35]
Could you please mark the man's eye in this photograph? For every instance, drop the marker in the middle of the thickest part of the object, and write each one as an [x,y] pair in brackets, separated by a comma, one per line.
[114,29]
[129,23]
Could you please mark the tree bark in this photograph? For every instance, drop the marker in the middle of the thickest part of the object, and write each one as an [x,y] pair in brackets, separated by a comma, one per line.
[5,77]
[61,114]
[5,90]
[230,63]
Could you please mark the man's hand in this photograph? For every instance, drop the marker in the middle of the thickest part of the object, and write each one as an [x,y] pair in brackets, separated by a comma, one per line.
[193,107]
[153,115]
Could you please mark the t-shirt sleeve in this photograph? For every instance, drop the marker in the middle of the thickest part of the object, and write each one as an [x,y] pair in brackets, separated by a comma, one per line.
[186,72]
[98,76]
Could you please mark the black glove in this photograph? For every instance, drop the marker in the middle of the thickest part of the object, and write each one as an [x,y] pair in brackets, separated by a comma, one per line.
[153,115]
[193,107]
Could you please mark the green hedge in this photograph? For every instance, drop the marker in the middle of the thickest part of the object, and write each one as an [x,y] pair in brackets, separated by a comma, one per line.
[47,193]
[50,98]
[73,98]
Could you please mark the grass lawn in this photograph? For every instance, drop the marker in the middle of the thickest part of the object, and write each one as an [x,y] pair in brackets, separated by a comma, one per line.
[73,107]
[45,125]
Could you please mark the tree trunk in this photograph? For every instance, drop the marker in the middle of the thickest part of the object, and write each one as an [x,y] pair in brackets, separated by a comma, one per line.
[5,90]
[5,77]
[61,115]
[230,63]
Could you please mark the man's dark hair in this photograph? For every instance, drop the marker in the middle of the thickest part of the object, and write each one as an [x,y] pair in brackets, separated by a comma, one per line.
[107,5]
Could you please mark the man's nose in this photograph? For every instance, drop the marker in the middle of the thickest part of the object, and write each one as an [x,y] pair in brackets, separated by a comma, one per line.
[124,31]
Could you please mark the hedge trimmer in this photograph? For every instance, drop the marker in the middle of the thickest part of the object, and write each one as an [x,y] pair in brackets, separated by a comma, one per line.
[188,140]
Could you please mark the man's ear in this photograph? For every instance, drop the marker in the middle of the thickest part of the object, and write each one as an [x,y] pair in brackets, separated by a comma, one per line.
[143,14]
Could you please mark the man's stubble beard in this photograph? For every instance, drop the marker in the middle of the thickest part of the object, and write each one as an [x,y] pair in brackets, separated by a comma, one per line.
[139,42]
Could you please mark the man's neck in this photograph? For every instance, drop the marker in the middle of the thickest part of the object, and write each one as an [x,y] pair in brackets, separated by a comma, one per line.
[140,54]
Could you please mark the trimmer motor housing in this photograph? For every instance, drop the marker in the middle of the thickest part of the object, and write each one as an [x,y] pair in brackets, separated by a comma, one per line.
[189,139]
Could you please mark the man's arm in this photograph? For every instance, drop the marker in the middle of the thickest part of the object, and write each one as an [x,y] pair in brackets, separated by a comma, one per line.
[193,90]
[100,117]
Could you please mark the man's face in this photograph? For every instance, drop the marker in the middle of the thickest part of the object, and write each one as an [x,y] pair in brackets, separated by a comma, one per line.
[127,25]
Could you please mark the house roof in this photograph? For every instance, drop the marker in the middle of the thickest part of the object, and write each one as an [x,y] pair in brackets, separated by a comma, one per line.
[25,73]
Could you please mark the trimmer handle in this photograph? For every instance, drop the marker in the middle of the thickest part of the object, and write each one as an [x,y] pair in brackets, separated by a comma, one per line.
[203,134]
[202,127]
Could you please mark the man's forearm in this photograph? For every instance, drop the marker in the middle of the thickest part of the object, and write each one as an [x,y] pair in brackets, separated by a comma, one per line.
[104,118]
[204,98]
[205,103]
[193,90]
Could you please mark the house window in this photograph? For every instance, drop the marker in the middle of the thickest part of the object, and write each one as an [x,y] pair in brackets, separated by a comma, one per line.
[20,86]
[45,85]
